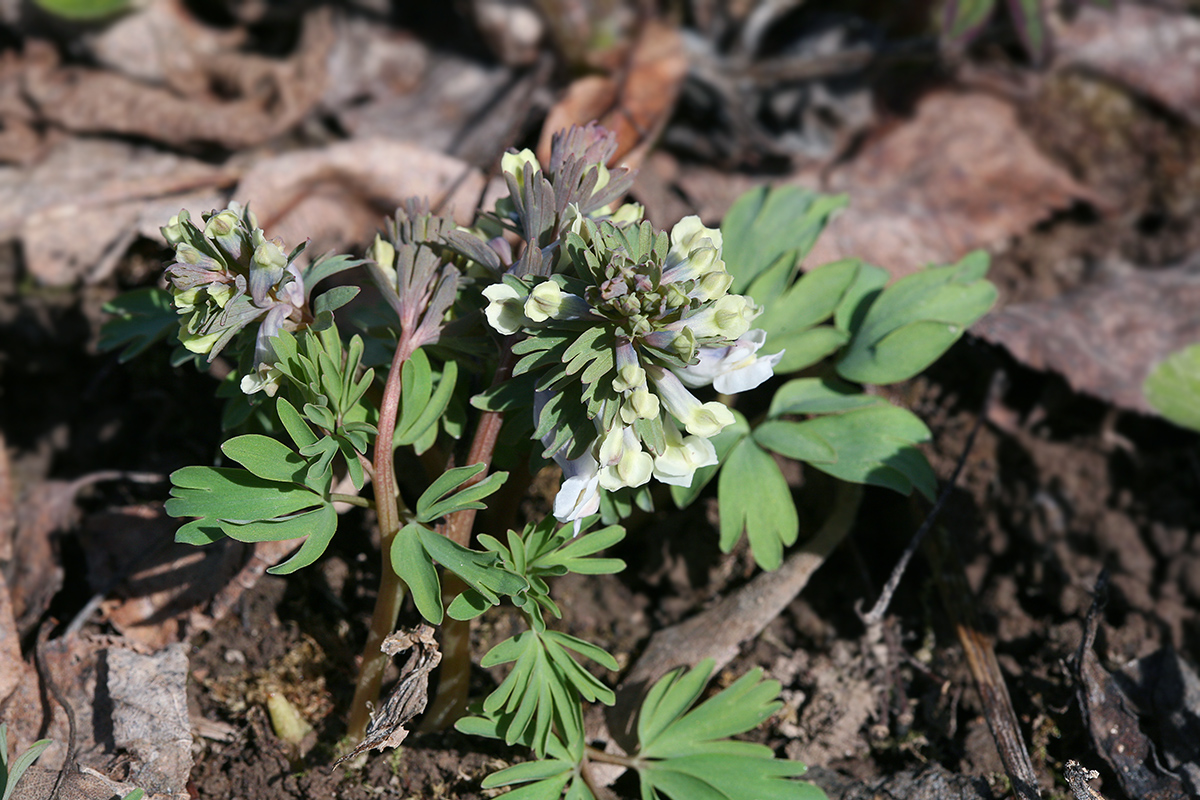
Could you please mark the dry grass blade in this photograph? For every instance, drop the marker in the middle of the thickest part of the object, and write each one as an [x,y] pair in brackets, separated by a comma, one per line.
[981,658]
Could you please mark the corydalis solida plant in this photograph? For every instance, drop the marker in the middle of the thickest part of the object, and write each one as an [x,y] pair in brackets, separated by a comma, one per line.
[599,336]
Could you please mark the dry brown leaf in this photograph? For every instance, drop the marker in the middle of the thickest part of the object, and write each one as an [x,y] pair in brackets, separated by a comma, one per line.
[161,42]
[160,587]
[76,211]
[12,666]
[1105,338]
[1151,49]
[150,717]
[145,716]
[336,196]
[270,96]
[959,175]
[634,103]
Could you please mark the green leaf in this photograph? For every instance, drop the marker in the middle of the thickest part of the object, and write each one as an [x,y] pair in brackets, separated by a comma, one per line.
[819,396]
[416,569]
[1173,387]
[1029,19]
[807,347]
[793,440]
[84,11]
[421,422]
[723,443]
[141,318]
[326,266]
[811,300]
[468,605]
[574,556]
[320,416]
[478,570]
[441,499]
[766,225]
[754,499]
[266,458]
[226,493]
[335,298]
[962,20]
[868,283]
[543,688]
[321,530]
[684,752]
[911,323]
[294,424]
[136,794]
[875,446]
[529,771]
[10,776]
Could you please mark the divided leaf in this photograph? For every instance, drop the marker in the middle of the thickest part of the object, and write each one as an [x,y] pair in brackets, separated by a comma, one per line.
[140,318]
[911,323]
[684,752]
[441,498]
[765,227]
[754,499]
[873,445]
[280,495]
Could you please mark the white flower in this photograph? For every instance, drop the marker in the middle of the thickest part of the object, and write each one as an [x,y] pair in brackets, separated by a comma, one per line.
[732,369]
[504,311]
[728,318]
[622,460]
[683,456]
[579,495]
[699,419]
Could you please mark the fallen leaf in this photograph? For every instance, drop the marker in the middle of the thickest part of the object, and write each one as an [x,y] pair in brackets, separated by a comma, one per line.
[634,102]
[1149,48]
[159,588]
[269,96]
[12,666]
[104,193]
[959,175]
[150,717]
[162,43]
[1105,337]
[336,195]
[450,104]
[123,701]
[1113,724]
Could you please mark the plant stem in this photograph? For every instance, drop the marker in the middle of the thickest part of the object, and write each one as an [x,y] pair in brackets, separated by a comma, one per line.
[450,703]
[351,499]
[391,588]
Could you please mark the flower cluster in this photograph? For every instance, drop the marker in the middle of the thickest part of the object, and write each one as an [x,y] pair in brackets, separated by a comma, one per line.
[616,348]
[227,276]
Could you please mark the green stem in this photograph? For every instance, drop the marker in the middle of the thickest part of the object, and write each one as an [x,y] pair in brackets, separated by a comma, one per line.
[450,702]
[351,499]
[391,588]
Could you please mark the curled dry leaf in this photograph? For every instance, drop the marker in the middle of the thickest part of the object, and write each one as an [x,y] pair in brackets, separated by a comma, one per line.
[1149,48]
[635,102]
[959,175]
[411,693]
[1104,338]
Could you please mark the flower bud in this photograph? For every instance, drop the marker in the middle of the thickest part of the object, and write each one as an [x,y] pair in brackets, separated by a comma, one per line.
[521,166]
